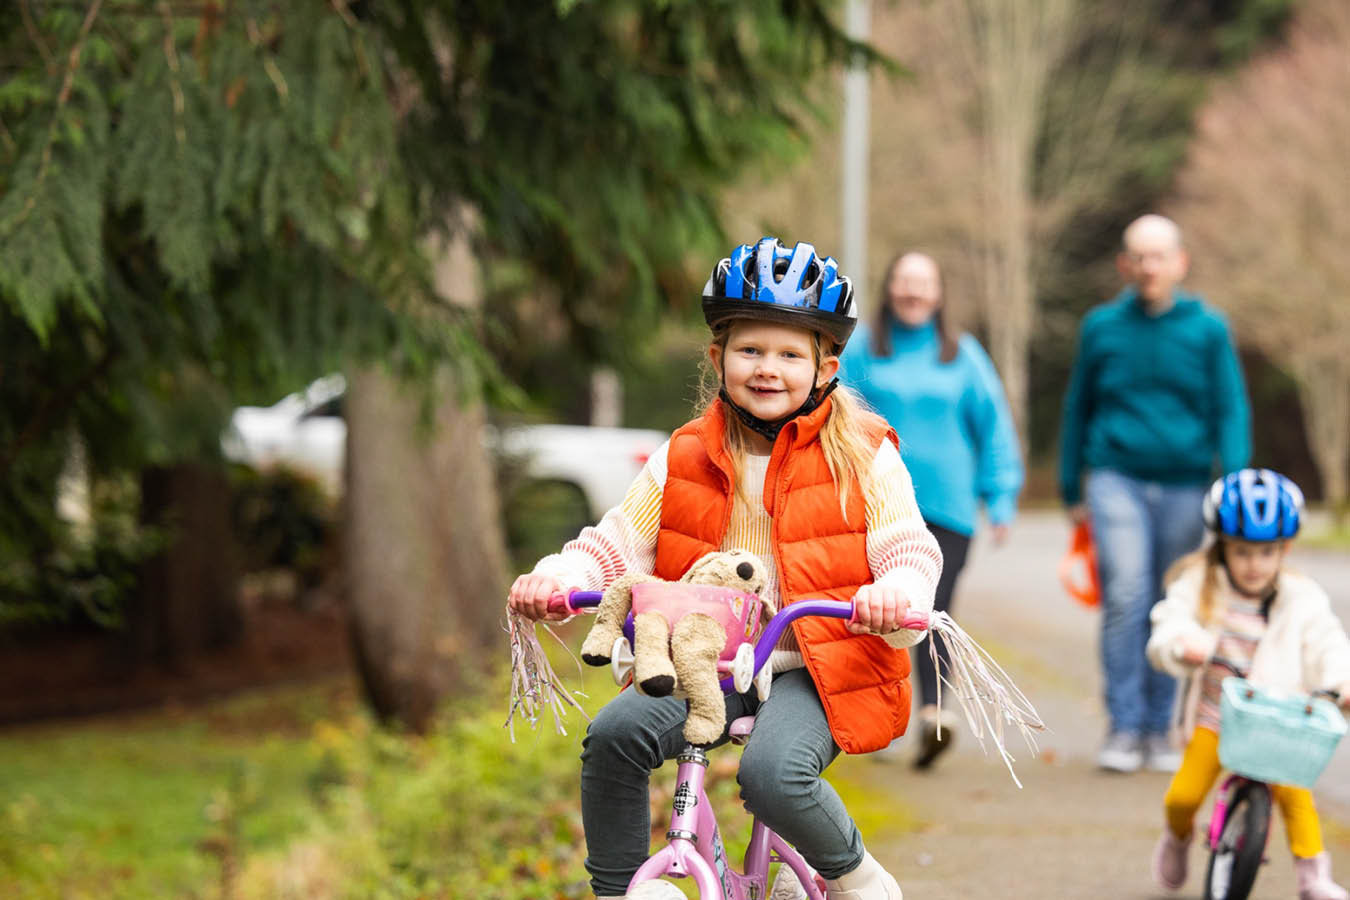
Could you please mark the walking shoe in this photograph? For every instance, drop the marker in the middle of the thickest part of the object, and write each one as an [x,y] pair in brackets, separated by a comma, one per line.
[1122,752]
[931,743]
[867,882]
[1160,755]
[1170,857]
[1314,879]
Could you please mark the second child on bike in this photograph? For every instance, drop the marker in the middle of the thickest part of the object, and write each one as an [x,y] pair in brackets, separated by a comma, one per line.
[787,465]
[1238,601]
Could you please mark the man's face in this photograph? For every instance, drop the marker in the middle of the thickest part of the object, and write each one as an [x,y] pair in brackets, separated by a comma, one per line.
[1154,263]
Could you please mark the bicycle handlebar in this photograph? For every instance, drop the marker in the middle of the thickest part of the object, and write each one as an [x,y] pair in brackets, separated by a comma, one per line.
[1237,670]
[576,601]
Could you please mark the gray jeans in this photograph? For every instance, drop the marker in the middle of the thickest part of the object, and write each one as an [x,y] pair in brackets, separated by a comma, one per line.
[779,778]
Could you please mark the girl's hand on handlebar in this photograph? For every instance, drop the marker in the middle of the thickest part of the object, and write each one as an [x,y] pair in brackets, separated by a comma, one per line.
[530,594]
[878,609]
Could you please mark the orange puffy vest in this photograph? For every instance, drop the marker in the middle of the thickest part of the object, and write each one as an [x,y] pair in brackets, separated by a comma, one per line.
[863,681]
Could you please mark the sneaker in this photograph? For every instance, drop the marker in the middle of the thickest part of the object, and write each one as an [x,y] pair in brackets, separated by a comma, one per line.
[931,744]
[1314,879]
[1170,857]
[1160,755]
[1122,752]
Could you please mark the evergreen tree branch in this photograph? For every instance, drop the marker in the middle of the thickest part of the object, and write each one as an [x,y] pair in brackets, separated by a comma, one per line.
[269,65]
[34,35]
[72,65]
[175,82]
[39,424]
[10,145]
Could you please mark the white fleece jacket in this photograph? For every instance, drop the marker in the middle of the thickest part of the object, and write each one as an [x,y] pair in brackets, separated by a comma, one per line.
[1305,647]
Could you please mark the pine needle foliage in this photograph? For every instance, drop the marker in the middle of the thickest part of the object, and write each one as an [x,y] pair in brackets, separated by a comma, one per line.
[203,203]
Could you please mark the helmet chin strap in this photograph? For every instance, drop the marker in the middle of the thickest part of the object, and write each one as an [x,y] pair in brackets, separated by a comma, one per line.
[770,429]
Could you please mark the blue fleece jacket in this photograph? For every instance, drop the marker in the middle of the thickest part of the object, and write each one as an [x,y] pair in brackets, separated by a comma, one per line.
[956,434]
[1159,398]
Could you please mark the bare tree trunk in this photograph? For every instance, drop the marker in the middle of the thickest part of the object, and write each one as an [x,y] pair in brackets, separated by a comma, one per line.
[1324,389]
[1016,43]
[187,597]
[426,559]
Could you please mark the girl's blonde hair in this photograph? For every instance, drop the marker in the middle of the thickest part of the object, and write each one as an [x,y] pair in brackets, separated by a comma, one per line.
[848,451]
[1211,557]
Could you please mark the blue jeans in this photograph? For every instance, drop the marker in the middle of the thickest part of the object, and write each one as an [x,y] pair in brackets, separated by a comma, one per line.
[779,778]
[1140,528]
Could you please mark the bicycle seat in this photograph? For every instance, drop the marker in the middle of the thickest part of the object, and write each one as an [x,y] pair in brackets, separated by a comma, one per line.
[741,728]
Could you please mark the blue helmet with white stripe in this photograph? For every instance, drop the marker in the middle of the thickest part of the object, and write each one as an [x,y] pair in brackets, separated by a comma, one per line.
[1257,505]
[794,286]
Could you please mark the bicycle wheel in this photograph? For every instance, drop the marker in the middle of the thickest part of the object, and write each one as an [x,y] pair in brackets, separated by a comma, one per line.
[1234,862]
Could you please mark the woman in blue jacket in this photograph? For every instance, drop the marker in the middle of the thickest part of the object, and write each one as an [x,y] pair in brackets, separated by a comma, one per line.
[941,393]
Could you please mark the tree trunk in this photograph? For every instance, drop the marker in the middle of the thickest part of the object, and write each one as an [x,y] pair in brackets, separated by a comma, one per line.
[425,555]
[188,594]
[1324,389]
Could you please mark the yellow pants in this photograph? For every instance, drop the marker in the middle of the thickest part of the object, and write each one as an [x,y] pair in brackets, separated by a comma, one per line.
[1200,769]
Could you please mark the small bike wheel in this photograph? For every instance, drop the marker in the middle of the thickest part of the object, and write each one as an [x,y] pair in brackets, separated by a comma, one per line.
[655,890]
[1234,862]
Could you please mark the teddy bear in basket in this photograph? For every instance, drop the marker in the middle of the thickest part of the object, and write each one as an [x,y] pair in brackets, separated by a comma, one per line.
[681,630]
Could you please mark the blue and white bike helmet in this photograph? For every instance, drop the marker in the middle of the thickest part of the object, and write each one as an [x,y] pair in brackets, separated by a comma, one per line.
[794,286]
[1255,505]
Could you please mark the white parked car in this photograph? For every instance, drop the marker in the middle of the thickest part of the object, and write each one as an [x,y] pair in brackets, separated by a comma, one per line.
[305,431]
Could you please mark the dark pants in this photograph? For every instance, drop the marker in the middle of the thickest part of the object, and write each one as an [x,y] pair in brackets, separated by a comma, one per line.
[954,546]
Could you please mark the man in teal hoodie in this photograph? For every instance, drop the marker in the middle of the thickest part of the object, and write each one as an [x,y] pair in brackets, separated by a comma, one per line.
[1155,403]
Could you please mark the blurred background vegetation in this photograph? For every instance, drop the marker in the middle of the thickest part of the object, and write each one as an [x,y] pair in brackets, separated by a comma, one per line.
[471,209]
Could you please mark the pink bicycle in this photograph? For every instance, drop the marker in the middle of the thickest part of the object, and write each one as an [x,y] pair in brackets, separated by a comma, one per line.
[694,847]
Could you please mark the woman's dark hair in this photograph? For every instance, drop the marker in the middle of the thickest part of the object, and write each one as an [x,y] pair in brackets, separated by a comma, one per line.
[883,318]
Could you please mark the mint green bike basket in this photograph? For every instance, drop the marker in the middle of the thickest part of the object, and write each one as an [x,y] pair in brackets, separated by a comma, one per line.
[1277,739]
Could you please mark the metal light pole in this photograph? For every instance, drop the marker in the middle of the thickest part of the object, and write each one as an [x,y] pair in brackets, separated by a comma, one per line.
[853,192]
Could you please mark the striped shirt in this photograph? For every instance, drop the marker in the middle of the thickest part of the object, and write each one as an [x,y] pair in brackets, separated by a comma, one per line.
[900,549]
[1243,626]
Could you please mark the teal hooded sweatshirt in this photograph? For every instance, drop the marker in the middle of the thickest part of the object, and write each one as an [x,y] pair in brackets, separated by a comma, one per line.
[1156,397]
[956,435]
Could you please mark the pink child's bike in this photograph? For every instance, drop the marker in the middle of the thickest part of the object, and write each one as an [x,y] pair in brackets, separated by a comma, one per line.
[694,847]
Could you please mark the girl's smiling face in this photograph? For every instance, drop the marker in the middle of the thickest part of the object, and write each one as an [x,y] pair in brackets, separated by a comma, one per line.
[1253,567]
[769,369]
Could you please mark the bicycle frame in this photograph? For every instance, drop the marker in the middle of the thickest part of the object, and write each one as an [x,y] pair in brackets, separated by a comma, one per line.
[694,847]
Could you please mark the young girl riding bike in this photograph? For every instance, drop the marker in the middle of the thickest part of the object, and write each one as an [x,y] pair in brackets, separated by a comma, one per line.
[1237,601]
[787,465]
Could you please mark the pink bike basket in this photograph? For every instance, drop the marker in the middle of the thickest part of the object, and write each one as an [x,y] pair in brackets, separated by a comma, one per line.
[1280,739]
[737,611]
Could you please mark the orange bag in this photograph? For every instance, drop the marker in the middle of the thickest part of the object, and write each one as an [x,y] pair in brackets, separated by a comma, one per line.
[1082,551]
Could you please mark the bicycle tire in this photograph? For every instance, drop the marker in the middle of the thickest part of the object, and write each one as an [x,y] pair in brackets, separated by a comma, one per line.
[1233,864]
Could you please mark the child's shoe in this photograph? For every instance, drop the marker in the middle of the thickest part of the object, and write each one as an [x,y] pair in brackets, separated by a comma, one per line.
[1314,879]
[867,882]
[1170,858]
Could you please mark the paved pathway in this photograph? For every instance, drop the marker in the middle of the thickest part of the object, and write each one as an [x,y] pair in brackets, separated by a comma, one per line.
[1072,831]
